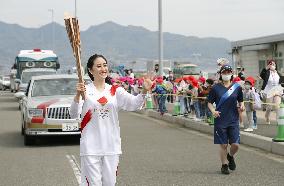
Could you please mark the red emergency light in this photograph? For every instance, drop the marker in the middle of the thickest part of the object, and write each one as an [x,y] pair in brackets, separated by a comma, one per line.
[37,50]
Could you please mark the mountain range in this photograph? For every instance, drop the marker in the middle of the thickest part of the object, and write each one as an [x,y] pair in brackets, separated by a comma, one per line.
[118,43]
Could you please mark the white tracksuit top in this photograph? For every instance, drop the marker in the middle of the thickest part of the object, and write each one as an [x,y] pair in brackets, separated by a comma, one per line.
[99,112]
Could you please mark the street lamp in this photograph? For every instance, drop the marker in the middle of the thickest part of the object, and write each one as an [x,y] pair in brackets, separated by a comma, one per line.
[52,22]
[161,65]
[75,8]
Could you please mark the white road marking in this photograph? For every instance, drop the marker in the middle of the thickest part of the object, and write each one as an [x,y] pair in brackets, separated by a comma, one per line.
[75,166]
[268,155]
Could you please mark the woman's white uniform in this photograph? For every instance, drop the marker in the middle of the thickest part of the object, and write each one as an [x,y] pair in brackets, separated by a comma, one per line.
[100,143]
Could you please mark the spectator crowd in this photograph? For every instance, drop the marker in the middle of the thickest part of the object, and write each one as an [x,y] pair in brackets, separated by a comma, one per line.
[190,92]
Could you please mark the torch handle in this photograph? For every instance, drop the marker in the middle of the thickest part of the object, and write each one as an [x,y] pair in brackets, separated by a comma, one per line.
[79,70]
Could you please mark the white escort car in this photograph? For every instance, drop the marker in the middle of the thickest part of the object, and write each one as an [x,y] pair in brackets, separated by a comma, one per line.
[46,105]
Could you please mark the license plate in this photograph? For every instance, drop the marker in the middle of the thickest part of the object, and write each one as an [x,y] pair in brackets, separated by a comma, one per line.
[70,127]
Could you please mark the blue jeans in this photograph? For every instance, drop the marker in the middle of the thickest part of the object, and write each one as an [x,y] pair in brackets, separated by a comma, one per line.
[202,108]
[162,103]
[196,108]
[254,118]
[186,104]
[183,104]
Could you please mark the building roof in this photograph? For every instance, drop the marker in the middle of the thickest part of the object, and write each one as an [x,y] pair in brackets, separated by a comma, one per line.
[258,40]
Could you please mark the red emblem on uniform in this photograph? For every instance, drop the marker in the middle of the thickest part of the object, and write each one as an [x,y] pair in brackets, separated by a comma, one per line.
[86,119]
[113,89]
[103,100]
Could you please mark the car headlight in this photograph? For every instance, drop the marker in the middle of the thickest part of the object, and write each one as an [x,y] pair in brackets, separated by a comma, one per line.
[35,112]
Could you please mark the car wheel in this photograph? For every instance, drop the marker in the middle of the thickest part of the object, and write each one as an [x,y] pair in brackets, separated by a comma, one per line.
[29,140]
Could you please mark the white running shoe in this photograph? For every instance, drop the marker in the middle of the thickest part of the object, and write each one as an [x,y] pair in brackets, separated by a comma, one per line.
[248,130]
[197,119]
[254,127]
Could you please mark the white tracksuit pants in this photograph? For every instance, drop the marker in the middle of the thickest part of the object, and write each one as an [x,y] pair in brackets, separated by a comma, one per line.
[99,170]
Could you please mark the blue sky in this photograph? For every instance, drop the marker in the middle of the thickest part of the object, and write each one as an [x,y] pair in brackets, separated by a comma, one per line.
[232,19]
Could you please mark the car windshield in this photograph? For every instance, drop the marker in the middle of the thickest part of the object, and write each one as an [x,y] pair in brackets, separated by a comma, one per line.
[26,76]
[191,70]
[51,87]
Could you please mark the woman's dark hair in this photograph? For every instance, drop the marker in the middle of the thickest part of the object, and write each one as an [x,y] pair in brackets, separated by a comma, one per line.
[226,68]
[126,71]
[272,61]
[90,65]
[210,81]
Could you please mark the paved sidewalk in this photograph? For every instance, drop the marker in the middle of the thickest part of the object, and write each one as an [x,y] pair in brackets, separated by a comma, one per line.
[263,128]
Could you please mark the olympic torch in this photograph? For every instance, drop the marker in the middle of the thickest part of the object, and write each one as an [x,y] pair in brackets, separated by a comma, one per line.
[73,32]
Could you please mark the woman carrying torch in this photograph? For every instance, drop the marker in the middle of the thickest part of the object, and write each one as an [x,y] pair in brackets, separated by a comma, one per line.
[100,143]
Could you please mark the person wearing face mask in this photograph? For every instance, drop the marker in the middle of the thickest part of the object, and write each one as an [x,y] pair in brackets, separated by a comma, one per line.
[220,62]
[257,101]
[271,88]
[228,97]
[100,142]
[249,99]
[171,80]
[241,83]
[205,91]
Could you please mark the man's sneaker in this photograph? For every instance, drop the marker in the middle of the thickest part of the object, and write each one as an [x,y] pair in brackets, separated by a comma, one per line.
[232,164]
[224,169]
[248,130]
[254,127]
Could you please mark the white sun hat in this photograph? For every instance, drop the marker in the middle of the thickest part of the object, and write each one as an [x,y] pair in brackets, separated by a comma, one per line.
[222,61]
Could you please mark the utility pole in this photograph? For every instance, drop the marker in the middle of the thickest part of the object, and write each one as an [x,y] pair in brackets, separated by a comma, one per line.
[75,8]
[161,65]
[52,22]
